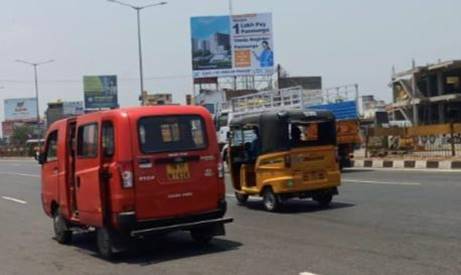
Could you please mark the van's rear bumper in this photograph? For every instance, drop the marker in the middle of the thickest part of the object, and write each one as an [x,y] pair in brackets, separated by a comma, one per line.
[180,226]
[128,222]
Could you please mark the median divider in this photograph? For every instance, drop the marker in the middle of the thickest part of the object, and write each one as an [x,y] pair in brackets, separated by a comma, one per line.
[407,164]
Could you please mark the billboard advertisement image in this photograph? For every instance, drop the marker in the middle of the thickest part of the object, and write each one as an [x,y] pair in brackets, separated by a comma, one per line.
[100,92]
[18,109]
[232,46]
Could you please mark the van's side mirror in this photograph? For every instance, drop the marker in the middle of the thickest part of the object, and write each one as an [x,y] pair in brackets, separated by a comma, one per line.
[40,157]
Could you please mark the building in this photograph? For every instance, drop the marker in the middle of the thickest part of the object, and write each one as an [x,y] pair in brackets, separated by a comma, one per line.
[59,110]
[307,82]
[216,101]
[369,106]
[428,94]
[156,99]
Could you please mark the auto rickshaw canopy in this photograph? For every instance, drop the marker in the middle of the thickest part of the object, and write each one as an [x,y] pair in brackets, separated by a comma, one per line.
[273,126]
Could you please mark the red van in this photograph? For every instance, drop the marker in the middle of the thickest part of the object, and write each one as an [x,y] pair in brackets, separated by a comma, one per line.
[133,172]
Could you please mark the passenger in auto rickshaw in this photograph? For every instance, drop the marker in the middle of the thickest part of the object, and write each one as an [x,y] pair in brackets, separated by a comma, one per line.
[255,146]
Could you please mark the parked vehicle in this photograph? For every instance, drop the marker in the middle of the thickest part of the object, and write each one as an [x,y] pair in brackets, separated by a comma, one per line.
[284,154]
[134,172]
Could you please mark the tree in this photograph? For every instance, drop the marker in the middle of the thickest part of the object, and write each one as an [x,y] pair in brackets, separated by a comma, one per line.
[21,134]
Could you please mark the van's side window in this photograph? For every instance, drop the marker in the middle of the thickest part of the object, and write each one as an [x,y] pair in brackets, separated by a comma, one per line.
[87,142]
[52,147]
[108,139]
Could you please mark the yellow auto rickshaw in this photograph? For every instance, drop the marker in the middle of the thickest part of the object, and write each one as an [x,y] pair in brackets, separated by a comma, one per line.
[279,155]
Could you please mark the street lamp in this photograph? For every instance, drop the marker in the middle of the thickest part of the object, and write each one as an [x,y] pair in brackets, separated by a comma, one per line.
[138,14]
[35,65]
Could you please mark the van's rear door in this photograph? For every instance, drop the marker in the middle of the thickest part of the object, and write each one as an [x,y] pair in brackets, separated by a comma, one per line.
[176,172]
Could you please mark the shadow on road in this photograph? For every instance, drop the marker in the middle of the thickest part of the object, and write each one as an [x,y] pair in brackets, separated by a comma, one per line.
[297,206]
[157,250]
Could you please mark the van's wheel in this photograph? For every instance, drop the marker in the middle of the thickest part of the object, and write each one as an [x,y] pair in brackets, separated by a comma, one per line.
[105,239]
[241,198]
[62,234]
[201,236]
[324,199]
[271,201]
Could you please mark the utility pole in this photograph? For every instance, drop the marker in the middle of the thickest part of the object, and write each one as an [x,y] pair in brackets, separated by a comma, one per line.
[35,66]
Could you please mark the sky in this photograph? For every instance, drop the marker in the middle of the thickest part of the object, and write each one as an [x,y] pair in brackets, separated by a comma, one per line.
[203,27]
[345,42]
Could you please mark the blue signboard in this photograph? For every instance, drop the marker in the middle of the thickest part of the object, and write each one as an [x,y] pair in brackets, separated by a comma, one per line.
[341,110]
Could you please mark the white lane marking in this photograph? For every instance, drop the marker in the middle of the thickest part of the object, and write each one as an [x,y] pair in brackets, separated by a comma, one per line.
[230,195]
[20,174]
[307,273]
[382,182]
[14,200]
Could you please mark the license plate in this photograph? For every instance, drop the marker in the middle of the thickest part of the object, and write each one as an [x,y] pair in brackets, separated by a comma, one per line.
[179,171]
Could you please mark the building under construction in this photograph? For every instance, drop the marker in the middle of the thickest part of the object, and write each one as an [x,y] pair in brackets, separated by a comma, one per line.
[427,95]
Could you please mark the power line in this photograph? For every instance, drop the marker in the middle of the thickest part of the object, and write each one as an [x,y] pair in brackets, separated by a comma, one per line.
[22,81]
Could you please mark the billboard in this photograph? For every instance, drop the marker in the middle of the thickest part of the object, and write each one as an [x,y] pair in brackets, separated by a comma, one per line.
[100,91]
[232,45]
[18,109]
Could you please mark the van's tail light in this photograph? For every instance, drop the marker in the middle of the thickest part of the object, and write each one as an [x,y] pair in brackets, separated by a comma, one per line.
[287,161]
[126,174]
[221,170]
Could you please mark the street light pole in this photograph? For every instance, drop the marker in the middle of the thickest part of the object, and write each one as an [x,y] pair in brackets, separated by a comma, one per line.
[138,10]
[35,65]
[141,69]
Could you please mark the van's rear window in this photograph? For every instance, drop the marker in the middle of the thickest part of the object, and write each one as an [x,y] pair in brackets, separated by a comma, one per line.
[172,133]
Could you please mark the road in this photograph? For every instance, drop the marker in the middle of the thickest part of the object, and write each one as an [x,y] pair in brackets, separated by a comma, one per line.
[383,222]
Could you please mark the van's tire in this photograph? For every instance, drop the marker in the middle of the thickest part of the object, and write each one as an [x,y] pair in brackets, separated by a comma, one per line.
[105,243]
[62,234]
[241,198]
[201,236]
[323,199]
[271,201]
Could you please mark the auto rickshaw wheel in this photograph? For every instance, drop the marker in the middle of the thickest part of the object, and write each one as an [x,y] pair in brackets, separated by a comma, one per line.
[270,200]
[62,234]
[324,199]
[201,236]
[104,240]
[241,198]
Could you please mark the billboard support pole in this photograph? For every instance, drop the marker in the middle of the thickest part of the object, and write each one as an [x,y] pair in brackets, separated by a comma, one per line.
[231,11]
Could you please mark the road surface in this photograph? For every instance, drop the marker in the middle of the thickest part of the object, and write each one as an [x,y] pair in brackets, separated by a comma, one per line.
[383,222]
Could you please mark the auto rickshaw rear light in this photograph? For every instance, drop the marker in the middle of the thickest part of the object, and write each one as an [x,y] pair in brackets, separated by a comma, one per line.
[288,161]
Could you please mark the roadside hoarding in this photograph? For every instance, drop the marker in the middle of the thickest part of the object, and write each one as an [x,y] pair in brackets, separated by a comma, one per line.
[232,46]
[18,109]
[100,92]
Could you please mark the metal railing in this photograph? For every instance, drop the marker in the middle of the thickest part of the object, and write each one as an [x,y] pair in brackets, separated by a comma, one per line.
[292,98]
